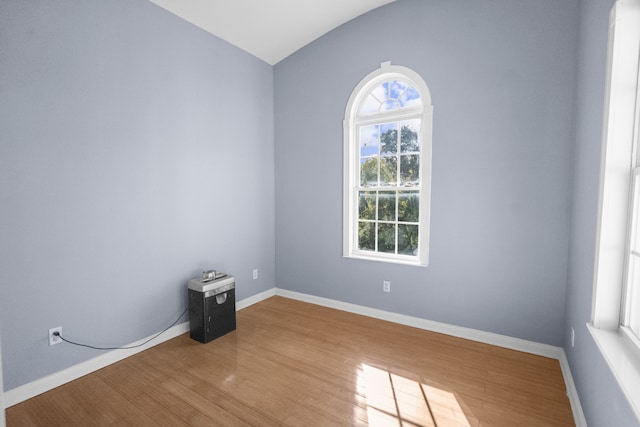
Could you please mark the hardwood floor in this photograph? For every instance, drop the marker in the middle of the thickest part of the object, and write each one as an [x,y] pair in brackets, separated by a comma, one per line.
[297,364]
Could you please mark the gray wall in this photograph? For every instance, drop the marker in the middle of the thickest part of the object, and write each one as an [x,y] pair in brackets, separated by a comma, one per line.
[136,151]
[601,397]
[501,75]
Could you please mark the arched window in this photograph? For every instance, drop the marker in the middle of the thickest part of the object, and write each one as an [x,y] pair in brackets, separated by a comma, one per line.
[387,167]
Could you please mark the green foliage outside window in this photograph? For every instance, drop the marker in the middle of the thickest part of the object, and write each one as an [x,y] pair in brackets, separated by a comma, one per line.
[389,131]
[387,161]
[388,218]
[390,213]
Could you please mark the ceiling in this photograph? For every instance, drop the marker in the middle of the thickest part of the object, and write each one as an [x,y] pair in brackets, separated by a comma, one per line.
[269,29]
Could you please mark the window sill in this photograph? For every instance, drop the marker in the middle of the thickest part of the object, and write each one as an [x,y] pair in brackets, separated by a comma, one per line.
[389,260]
[623,360]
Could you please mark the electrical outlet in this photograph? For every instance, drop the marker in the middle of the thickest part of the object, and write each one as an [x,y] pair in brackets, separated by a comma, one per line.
[386,286]
[53,339]
[573,337]
[255,274]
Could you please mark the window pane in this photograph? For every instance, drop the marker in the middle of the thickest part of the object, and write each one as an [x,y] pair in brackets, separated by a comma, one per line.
[370,105]
[407,239]
[388,96]
[633,295]
[397,88]
[369,172]
[389,138]
[408,206]
[380,92]
[367,205]
[369,140]
[387,206]
[410,98]
[409,136]
[410,169]
[390,104]
[389,171]
[383,148]
[367,236]
[387,238]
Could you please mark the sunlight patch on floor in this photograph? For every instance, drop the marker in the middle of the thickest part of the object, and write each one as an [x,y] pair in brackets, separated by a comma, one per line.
[393,400]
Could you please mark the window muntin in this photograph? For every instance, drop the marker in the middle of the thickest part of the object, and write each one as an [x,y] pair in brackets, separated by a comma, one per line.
[389,95]
[387,167]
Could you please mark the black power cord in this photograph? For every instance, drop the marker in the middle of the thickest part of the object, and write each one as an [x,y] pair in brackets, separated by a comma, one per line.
[57,334]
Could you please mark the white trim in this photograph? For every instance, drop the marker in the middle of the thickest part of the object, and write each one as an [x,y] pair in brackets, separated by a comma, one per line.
[34,388]
[616,163]
[430,325]
[624,361]
[618,158]
[572,391]
[503,341]
[254,299]
[39,386]
[350,124]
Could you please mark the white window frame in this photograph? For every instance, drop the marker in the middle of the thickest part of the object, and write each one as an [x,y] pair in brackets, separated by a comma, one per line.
[351,179]
[630,285]
[619,159]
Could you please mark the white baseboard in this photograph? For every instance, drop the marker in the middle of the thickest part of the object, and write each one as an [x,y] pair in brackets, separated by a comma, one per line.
[39,386]
[34,388]
[504,341]
[255,299]
[572,391]
[430,325]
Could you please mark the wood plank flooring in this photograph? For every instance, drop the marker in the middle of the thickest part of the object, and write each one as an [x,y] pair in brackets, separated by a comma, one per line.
[297,364]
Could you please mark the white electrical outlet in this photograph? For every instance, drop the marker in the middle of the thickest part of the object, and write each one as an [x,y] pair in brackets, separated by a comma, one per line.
[54,339]
[573,337]
[386,286]
[255,274]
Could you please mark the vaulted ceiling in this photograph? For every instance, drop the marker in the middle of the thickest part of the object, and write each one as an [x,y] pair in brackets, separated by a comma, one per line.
[269,29]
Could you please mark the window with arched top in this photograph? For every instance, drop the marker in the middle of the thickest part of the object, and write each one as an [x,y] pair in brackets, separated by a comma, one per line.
[387,167]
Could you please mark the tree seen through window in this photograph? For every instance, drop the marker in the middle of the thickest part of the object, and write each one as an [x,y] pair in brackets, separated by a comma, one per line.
[388,220]
[387,168]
